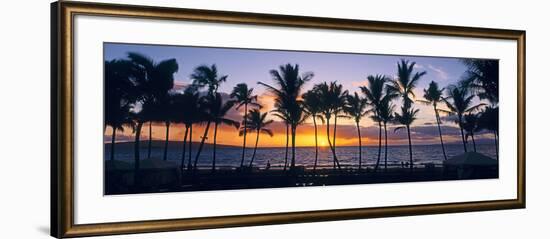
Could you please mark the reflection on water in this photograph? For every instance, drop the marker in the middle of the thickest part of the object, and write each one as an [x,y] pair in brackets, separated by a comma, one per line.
[231,156]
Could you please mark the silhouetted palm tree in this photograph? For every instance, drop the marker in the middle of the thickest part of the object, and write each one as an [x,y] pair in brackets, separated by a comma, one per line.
[406,82]
[120,97]
[281,114]
[482,77]
[288,86]
[207,76]
[374,93]
[356,107]
[187,110]
[385,115]
[471,125]
[244,97]
[488,120]
[218,113]
[460,102]
[153,80]
[256,122]
[328,96]
[407,117]
[433,95]
[312,106]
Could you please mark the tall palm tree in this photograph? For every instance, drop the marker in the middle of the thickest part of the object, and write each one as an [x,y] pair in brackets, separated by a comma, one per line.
[385,115]
[120,97]
[288,86]
[482,77]
[374,94]
[433,95]
[281,114]
[207,76]
[312,106]
[471,125]
[406,118]
[187,111]
[406,82]
[356,107]
[488,120]
[156,80]
[460,102]
[328,98]
[244,97]
[257,122]
[218,113]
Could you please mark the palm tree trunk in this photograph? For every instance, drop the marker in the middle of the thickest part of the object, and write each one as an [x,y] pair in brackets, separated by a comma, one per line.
[214,147]
[190,146]
[379,146]
[149,144]
[136,152]
[334,158]
[201,145]
[385,148]
[244,134]
[440,134]
[496,142]
[165,156]
[360,145]
[462,133]
[474,142]
[113,143]
[182,165]
[286,149]
[293,159]
[410,146]
[255,147]
[316,146]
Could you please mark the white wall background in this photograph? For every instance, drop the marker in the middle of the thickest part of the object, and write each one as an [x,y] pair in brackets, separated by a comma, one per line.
[24,107]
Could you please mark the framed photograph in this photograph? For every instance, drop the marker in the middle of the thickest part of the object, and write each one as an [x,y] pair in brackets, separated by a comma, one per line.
[170,119]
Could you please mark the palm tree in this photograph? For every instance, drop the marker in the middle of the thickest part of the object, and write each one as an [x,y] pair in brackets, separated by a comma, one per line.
[281,114]
[433,95]
[406,82]
[289,84]
[256,122]
[187,110]
[482,77]
[156,79]
[328,98]
[120,96]
[356,107]
[374,94]
[312,106]
[385,115]
[218,114]
[488,120]
[460,102]
[244,97]
[407,117]
[471,125]
[207,76]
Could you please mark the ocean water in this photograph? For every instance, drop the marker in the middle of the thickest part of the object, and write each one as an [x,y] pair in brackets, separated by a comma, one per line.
[347,155]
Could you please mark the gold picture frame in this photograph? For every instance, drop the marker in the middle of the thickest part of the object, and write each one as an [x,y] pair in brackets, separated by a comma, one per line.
[62,184]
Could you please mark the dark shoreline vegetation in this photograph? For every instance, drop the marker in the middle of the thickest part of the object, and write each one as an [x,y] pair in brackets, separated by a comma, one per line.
[140,91]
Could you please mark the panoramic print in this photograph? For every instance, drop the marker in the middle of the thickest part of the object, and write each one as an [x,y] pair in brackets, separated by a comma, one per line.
[188,118]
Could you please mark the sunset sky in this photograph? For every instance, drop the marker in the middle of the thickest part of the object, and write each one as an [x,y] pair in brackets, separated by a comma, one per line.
[251,66]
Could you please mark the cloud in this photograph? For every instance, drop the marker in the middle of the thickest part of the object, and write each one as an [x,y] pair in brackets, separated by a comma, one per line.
[439,71]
